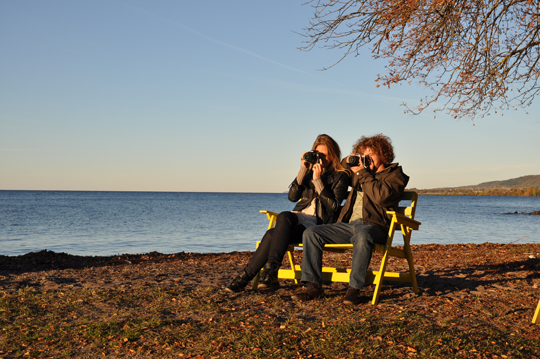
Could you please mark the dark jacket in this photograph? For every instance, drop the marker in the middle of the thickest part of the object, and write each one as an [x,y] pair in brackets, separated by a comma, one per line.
[382,192]
[328,202]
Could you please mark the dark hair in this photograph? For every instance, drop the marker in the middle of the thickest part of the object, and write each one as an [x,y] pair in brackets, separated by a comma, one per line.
[334,153]
[380,144]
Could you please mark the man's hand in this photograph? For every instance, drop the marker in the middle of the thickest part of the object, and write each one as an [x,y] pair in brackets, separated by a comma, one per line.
[355,168]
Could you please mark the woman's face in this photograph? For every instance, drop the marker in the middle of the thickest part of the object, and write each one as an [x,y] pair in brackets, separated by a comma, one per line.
[322,149]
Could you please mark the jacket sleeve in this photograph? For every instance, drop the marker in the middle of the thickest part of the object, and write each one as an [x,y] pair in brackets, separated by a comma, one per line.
[385,192]
[331,197]
[296,188]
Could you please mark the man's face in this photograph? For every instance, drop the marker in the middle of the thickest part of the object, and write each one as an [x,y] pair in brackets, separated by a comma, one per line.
[376,164]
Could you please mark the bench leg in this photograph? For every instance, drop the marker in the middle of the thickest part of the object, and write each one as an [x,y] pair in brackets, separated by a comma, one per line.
[536,314]
[256,280]
[290,253]
[380,276]
[379,279]
[293,272]
[408,255]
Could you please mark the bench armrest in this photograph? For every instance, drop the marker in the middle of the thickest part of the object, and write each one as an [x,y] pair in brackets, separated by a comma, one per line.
[404,220]
[270,214]
[272,217]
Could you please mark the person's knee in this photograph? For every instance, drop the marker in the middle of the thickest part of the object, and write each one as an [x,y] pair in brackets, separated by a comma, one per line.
[308,233]
[309,236]
[267,236]
[361,238]
[313,238]
[270,232]
[368,236]
[284,219]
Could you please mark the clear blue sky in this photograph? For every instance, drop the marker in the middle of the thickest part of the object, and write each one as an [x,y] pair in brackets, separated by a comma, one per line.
[136,95]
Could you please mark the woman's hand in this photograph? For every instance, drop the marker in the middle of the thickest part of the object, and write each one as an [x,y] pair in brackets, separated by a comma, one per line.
[302,162]
[317,170]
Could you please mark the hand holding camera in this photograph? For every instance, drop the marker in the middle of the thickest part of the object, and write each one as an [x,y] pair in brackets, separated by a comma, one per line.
[314,159]
[361,161]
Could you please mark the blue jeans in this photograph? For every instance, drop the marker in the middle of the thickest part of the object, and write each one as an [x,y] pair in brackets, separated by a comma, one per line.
[363,238]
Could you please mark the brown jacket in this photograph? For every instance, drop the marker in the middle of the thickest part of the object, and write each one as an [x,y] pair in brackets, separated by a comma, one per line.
[382,192]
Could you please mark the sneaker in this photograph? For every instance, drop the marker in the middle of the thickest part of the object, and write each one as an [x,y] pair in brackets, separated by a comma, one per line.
[352,297]
[239,283]
[311,292]
[270,277]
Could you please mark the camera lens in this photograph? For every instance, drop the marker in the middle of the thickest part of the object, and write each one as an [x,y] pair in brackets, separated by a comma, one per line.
[310,157]
[354,161]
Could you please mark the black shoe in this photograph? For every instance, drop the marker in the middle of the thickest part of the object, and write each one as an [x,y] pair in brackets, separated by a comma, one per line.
[352,297]
[270,276]
[313,291]
[239,283]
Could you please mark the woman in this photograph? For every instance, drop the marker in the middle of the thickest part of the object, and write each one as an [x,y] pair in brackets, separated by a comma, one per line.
[319,189]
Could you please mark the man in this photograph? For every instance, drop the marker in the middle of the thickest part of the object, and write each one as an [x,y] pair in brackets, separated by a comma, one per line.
[377,187]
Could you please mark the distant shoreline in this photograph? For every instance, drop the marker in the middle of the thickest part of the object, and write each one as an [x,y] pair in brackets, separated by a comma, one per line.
[478,192]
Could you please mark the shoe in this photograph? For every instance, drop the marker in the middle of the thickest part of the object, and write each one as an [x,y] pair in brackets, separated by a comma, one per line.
[270,276]
[352,297]
[239,283]
[313,291]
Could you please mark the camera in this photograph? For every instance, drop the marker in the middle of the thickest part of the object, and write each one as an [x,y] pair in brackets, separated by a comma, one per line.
[313,157]
[363,160]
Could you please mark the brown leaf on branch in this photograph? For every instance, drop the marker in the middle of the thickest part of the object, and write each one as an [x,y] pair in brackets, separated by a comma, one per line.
[475,52]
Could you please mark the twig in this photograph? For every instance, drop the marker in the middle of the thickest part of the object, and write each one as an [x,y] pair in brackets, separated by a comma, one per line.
[516,240]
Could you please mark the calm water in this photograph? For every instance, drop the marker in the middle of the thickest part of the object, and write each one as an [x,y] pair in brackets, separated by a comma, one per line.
[108,223]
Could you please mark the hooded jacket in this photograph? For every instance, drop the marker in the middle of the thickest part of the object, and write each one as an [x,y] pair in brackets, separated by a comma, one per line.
[328,202]
[382,192]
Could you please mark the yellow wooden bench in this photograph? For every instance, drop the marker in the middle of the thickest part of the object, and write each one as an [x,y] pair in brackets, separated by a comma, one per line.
[402,218]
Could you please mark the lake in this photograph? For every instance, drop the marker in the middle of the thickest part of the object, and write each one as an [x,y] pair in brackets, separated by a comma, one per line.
[109,223]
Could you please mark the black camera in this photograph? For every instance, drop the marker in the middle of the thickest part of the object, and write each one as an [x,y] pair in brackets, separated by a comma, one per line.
[313,157]
[363,160]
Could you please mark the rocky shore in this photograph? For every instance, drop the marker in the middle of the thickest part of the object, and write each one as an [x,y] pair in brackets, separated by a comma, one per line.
[441,269]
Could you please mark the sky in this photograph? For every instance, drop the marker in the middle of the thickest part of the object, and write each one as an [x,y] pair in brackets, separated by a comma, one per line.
[213,96]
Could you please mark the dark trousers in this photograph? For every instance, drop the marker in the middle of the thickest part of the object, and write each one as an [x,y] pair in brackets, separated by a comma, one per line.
[275,242]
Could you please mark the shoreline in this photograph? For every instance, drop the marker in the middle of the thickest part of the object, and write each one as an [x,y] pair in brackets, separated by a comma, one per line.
[45,254]
[47,259]
[47,270]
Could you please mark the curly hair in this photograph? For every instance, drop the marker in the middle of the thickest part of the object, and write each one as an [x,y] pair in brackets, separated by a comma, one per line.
[380,144]
[334,152]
